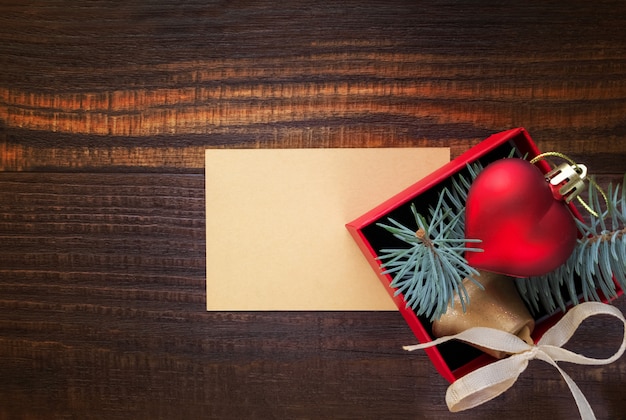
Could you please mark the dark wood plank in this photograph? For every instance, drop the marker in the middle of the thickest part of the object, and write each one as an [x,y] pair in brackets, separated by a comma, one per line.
[149,87]
[102,312]
[105,111]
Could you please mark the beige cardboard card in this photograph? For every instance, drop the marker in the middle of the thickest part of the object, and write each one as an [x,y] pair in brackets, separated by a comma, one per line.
[275,223]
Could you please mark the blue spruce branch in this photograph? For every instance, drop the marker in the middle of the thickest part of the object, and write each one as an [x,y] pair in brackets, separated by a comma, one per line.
[429,271]
[597,263]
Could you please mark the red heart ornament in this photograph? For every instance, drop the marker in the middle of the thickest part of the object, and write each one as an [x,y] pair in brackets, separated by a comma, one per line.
[525,231]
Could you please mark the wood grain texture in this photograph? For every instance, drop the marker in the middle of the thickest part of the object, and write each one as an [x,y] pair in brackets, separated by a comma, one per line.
[106,108]
[116,83]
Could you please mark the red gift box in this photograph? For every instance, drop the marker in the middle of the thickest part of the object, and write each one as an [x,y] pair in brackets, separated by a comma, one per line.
[452,359]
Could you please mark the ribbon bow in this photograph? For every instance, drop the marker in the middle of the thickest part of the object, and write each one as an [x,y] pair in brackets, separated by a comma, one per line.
[488,382]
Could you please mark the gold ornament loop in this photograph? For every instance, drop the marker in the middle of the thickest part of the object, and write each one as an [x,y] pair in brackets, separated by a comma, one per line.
[580,169]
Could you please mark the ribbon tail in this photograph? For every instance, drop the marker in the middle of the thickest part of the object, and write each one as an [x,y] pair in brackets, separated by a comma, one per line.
[485,384]
[584,408]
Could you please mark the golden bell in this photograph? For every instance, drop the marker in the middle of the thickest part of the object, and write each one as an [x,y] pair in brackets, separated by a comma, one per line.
[498,306]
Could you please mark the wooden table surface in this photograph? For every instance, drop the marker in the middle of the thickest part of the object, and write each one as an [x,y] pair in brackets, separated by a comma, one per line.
[106,108]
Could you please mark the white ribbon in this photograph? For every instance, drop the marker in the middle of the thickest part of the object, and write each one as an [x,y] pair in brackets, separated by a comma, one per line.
[488,382]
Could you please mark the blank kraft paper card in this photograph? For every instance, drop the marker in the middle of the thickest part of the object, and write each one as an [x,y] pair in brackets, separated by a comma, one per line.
[275,224]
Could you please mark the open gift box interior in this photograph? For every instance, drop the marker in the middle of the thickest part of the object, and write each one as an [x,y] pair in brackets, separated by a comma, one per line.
[452,359]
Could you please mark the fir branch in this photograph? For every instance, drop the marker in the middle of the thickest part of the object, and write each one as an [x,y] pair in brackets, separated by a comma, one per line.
[429,270]
[598,262]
